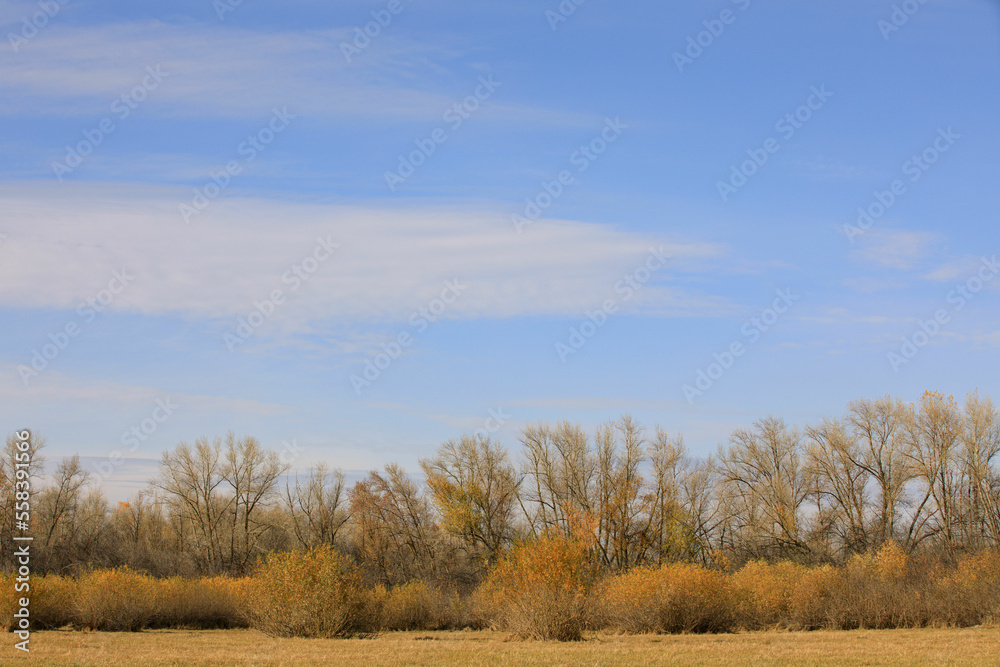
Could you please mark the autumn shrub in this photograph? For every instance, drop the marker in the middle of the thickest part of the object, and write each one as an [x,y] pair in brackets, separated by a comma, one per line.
[117,600]
[764,592]
[52,601]
[629,602]
[317,593]
[970,593]
[8,601]
[417,606]
[673,598]
[883,589]
[203,603]
[541,589]
[810,599]
[544,589]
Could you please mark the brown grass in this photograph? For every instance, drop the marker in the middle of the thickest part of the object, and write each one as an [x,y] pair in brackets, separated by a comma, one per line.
[968,646]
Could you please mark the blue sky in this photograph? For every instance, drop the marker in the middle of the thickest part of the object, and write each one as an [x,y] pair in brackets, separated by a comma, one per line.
[117,117]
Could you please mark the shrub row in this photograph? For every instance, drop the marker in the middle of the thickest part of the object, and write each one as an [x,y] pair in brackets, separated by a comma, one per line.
[886,589]
[545,589]
[123,600]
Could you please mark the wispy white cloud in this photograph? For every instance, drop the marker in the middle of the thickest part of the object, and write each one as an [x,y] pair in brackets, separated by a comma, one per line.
[960,269]
[52,388]
[894,248]
[836,171]
[221,71]
[873,284]
[64,242]
[987,339]
[839,315]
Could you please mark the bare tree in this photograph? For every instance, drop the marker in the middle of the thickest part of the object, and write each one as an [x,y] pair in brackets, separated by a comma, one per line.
[393,527]
[767,487]
[317,507]
[701,502]
[840,488]
[679,503]
[933,436]
[617,487]
[880,429]
[192,483]
[559,468]
[980,445]
[73,523]
[12,459]
[252,473]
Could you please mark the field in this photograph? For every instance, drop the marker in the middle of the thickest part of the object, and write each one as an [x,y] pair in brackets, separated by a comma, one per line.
[968,646]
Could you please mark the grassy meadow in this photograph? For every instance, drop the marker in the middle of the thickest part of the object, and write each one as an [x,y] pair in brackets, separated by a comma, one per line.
[966,646]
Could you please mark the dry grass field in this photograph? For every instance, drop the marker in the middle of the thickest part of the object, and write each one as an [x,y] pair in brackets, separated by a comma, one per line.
[969,646]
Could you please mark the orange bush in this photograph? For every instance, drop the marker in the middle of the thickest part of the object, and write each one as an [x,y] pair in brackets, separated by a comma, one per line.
[544,589]
[8,601]
[629,602]
[208,602]
[884,589]
[541,590]
[678,597]
[116,600]
[970,595]
[809,602]
[764,593]
[52,601]
[317,593]
[417,606]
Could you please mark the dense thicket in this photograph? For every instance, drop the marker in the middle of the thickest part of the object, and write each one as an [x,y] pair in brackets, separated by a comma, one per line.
[922,476]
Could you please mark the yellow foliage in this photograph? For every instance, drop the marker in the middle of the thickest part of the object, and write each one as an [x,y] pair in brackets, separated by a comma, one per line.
[809,602]
[117,600]
[417,606]
[765,592]
[545,589]
[891,562]
[541,589]
[678,597]
[317,593]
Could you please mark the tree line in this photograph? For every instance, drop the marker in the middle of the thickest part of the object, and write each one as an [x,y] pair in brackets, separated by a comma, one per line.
[921,475]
